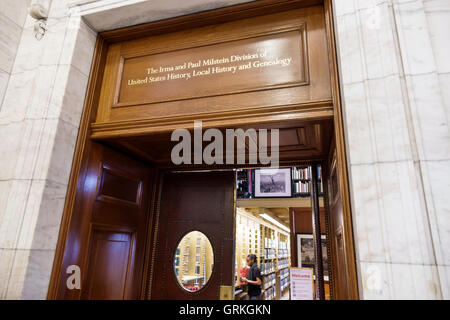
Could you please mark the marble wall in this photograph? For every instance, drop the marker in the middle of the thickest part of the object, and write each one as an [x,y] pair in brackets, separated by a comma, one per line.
[12,19]
[394,67]
[39,121]
[393,57]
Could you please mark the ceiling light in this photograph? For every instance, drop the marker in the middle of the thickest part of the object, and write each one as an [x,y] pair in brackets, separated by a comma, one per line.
[275,222]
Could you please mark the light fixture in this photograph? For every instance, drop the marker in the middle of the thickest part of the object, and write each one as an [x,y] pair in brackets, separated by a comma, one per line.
[275,222]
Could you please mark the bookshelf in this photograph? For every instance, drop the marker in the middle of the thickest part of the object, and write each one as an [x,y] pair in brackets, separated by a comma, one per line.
[272,248]
[300,179]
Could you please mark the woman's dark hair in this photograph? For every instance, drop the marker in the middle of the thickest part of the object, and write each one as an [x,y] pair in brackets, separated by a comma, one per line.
[252,257]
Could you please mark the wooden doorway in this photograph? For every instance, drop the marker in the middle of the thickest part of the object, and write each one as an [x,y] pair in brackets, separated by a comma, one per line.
[306,108]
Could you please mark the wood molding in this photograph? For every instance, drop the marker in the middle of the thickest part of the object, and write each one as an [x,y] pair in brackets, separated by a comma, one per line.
[311,112]
[341,151]
[205,18]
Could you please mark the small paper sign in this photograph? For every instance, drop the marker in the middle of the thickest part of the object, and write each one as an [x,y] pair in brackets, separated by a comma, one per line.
[302,284]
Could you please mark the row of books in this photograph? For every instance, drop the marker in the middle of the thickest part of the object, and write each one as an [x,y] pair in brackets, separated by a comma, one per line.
[284,273]
[301,187]
[284,283]
[283,253]
[269,243]
[283,263]
[269,281]
[267,267]
[269,253]
[282,245]
[269,294]
[301,173]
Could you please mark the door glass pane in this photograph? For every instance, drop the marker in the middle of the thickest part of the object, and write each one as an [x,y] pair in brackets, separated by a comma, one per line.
[197,262]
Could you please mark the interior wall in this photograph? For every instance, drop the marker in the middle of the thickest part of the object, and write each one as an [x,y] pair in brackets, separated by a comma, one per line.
[39,121]
[40,115]
[394,66]
[12,18]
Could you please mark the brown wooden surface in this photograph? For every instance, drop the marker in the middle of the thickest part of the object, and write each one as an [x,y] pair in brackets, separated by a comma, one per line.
[107,237]
[301,222]
[251,62]
[306,85]
[200,201]
[341,277]
[298,141]
[341,163]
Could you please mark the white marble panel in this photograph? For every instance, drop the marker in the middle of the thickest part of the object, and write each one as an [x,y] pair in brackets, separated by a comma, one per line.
[15,10]
[10,34]
[56,151]
[430,123]
[68,95]
[17,97]
[390,221]
[13,212]
[37,277]
[6,262]
[399,281]
[4,77]
[17,275]
[444,81]
[22,146]
[444,275]
[79,45]
[437,186]
[414,39]
[438,22]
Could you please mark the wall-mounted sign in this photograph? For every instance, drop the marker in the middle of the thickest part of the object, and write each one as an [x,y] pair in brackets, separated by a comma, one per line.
[302,284]
[242,65]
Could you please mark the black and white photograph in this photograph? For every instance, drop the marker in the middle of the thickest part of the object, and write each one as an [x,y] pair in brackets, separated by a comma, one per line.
[273,183]
[305,252]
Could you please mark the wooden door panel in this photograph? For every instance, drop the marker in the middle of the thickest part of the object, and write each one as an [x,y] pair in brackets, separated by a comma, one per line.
[109,264]
[109,227]
[341,277]
[195,202]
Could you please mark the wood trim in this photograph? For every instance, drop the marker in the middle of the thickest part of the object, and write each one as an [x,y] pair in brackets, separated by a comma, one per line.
[180,47]
[82,148]
[312,112]
[341,151]
[205,18]
[326,206]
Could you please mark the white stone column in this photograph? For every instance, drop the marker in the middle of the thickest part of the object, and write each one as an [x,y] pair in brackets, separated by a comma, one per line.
[39,123]
[394,65]
[12,19]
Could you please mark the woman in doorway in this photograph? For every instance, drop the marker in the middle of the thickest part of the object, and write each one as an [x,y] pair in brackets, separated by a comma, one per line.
[254,279]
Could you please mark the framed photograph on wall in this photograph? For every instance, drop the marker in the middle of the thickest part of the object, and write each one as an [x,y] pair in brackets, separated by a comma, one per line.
[273,183]
[305,252]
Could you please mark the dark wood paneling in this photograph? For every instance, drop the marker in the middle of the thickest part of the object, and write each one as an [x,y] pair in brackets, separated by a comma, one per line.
[108,231]
[202,202]
[110,255]
[338,153]
[297,141]
[301,222]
